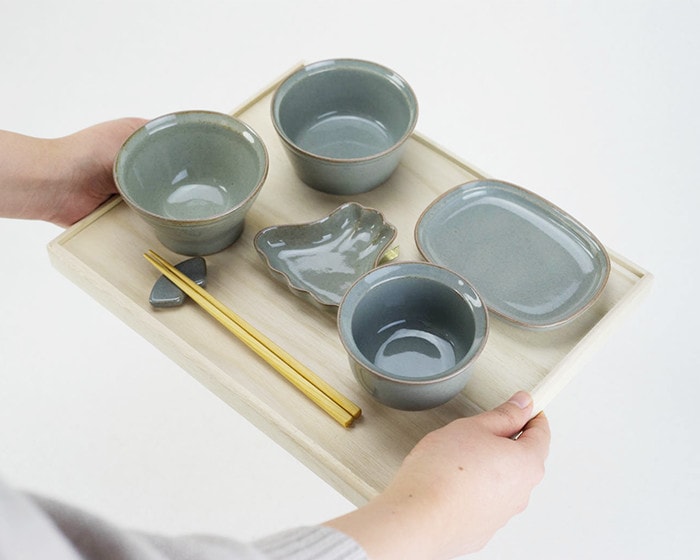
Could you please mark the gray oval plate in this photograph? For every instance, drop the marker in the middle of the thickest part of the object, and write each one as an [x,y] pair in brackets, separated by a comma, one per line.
[532,263]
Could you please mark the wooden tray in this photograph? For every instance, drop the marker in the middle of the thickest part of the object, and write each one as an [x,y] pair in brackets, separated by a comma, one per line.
[103,255]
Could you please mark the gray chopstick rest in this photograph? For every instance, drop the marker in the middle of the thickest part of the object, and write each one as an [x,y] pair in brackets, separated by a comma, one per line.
[167,294]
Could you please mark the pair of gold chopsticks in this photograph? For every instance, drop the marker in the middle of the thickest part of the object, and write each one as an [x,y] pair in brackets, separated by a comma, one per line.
[323,395]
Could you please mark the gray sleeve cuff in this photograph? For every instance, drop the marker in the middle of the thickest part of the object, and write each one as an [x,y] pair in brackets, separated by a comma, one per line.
[310,543]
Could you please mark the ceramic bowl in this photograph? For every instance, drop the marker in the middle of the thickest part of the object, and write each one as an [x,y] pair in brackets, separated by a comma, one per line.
[192,176]
[320,260]
[344,123]
[412,332]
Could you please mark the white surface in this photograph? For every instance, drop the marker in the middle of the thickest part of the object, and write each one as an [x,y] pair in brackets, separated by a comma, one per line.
[593,106]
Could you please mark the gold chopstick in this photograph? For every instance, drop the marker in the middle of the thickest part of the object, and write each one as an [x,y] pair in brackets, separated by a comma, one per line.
[305,372]
[331,401]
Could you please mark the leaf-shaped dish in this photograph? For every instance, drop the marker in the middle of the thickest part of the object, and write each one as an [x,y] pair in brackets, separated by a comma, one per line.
[531,262]
[320,260]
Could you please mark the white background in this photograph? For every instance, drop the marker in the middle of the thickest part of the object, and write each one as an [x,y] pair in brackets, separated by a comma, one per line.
[591,104]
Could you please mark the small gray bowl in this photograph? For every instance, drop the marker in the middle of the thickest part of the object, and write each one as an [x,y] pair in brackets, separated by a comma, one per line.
[412,332]
[192,176]
[344,123]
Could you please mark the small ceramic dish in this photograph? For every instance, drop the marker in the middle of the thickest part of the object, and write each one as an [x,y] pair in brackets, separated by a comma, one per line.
[320,260]
[532,263]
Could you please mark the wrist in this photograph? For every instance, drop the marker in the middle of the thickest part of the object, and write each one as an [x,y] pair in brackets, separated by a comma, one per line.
[394,526]
[28,173]
[80,181]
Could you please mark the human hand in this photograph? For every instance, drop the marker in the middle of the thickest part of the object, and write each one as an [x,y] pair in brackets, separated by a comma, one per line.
[87,157]
[60,180]
[457,487]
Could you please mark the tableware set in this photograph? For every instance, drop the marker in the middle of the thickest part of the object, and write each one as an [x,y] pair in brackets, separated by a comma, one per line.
[412,330]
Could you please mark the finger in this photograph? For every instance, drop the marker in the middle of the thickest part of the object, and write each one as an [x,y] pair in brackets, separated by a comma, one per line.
[536,435]
[510,417]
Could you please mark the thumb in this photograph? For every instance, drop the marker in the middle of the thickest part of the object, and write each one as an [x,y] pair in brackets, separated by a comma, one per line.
[509,418]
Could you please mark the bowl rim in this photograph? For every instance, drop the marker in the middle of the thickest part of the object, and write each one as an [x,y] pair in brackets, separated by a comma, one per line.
[459,368]
[317,67]
[211,117]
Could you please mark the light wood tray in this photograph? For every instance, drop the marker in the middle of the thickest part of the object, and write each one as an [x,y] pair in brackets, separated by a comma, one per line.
[103,255]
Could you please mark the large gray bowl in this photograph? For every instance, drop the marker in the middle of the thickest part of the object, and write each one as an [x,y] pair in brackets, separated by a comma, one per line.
[344,123]
[412,332]
[192,176]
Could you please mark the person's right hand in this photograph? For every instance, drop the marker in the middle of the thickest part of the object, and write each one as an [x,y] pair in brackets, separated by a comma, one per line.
[60,180]
[457,487]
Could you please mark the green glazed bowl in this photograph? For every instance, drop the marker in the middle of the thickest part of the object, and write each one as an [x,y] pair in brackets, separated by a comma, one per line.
[344,123]
[192,176]
[413,332]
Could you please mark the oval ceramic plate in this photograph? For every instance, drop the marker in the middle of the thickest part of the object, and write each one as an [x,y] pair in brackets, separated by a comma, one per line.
[532,263]
[320,260]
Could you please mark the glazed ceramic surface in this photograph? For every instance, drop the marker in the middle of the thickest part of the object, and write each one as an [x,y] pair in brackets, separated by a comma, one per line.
[167,294]
[192,176]
[344,123]
[412,332]
[321,260]
[532,263]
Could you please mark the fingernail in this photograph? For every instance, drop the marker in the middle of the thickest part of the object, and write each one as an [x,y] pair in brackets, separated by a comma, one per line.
[521,399]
